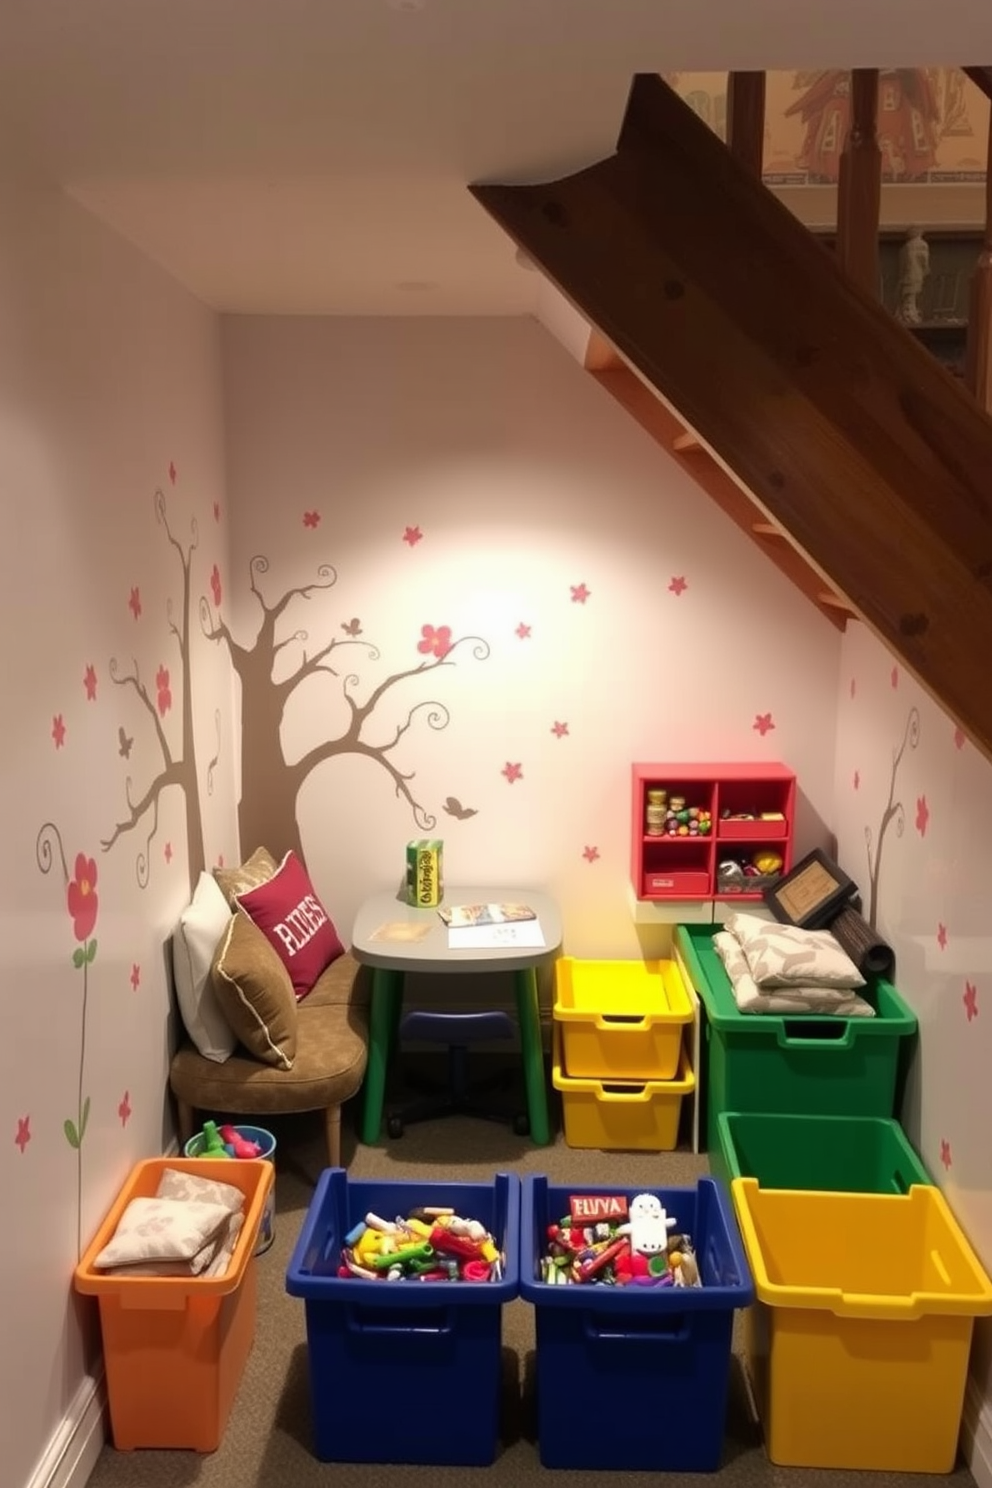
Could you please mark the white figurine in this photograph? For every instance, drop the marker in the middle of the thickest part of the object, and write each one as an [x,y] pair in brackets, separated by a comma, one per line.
[914,266]
[647,1225]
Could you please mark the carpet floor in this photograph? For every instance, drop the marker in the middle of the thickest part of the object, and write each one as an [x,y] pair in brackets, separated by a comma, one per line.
[267,1443]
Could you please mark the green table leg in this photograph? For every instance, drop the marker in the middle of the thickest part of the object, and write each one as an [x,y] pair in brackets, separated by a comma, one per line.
[387,998]
[529,1022]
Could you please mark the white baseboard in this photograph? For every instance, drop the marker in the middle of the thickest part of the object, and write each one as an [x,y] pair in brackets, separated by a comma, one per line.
[976,1435]
[78,1441]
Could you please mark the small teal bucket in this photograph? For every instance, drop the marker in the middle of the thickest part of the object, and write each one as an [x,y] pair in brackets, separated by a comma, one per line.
[267,1149]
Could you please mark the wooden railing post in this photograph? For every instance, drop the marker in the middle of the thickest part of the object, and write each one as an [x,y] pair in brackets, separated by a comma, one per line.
[978,363]
[746,119]
[859,190]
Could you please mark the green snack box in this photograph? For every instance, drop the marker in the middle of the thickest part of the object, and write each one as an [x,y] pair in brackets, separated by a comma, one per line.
[425,872]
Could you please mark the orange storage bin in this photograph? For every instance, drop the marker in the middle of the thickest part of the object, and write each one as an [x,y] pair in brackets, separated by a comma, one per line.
[175,1347]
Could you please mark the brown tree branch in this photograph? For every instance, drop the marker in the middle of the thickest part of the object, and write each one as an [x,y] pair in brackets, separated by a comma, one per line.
[218,631]
[327,578]
[137,809]
[132,679]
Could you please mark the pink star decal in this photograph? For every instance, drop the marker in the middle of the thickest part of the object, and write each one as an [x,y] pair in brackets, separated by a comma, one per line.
[857,779]
[89,682]
[590,854]
[58,730]
[922,815]
[970,1000]
[172,472]
[412,536]
[942,936]
[512,772]
[168,852]
[945,1152]
[216,511]
[678,585]
[523,631]
[135,976]
[580,593]
[124,1108]
[23,1133]
[134,603]
[559,729]
[311,519]
[763,723]
[854,686]
[959,738]
[894,676]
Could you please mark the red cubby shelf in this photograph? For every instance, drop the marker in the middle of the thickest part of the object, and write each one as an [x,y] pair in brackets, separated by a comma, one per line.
[736,796]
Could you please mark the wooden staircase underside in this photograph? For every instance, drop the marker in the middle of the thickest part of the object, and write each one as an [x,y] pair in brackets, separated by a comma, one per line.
[850,438]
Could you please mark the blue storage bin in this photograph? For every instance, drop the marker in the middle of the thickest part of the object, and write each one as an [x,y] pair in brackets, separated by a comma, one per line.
[636,1378]
[404,1371]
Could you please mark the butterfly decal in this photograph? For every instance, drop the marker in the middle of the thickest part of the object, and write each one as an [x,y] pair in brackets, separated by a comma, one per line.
[124,743]
[455,808]
[352,627]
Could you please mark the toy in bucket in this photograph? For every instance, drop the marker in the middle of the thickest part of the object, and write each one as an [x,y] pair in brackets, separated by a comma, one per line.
[240,1142]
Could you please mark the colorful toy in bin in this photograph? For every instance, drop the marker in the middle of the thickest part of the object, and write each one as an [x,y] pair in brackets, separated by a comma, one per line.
[246,1143]
[432,1243]
[638,1251]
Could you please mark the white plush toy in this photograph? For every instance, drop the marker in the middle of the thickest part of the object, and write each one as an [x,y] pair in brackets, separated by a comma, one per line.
[647,1225]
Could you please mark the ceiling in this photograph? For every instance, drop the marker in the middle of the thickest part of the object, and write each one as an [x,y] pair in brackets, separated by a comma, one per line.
[312,156]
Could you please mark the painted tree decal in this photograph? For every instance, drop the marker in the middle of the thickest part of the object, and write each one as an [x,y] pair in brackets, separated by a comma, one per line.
[82,903]
[894,811]
[175,769]
[271,784]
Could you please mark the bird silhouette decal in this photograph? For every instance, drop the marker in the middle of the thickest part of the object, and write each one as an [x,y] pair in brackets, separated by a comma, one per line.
[124,743]
[352,627]
[455,808]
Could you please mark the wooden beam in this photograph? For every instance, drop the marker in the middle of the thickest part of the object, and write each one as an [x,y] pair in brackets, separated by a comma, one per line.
[981,77]
[850,435]
[978,358]
[746,119]
[859,188]
[686,441]
[600,354]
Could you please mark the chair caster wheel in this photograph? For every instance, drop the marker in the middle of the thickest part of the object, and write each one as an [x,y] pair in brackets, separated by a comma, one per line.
[394,1126]
[521,1125]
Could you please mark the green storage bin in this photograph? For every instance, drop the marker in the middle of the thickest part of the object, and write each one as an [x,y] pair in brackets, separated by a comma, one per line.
[835,1154]
[800,1064]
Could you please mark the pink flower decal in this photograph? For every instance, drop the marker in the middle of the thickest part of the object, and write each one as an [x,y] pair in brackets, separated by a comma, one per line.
[559,729]
[167,852]
[894,677]
[58,730]
[216,511]
[512,772]
[412,536]
[970,1000]
[81,898]
[590,854]
[945,1153]
[220,860]
[959,738]
[942,935]
[89,682]
[135,976]
[763,723]
[23,1133]
[435,642]
[922,815]
[172,472]
[124,1108]
[580,593]
[134,603]
[163,690]
[678,585]
[857,779]
[215,586]
[311,519]
[523,631]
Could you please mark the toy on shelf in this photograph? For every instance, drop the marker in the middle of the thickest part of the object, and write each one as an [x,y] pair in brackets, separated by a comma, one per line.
[225,1141]
[626,1246]
[430,1244]
[666,816]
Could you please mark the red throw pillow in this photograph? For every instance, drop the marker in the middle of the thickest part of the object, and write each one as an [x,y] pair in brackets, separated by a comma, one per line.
[291,917]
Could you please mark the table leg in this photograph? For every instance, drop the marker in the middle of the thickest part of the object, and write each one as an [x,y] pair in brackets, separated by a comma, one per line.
[529,1023]
[386,1000]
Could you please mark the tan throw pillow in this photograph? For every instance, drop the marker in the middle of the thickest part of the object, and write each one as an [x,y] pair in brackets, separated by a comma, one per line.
[257,869]
[255,994]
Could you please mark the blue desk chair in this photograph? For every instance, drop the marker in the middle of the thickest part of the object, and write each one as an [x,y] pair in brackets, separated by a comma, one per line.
[458,1031]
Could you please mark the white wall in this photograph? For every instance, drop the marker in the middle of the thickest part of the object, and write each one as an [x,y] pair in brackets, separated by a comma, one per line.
[109,373]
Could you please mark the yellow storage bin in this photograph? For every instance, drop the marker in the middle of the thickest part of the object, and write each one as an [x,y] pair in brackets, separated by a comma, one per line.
[858,1343]
[621,1115]
[620,1020]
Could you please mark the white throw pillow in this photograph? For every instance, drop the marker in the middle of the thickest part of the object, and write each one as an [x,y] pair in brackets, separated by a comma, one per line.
[201,927]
